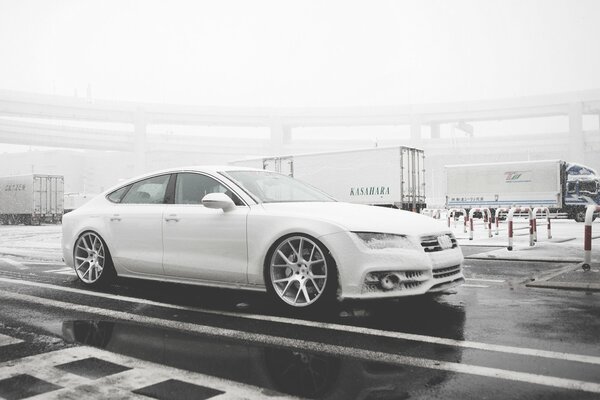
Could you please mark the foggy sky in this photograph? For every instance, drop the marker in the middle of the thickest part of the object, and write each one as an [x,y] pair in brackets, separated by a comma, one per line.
[299,53]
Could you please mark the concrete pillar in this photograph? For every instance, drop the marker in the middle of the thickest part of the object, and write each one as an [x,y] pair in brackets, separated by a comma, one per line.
[576,142]
[415,130]
[139,142]
[281,135]
[435,131]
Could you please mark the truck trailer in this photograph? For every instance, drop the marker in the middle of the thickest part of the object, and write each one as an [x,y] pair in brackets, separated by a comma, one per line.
[31,199]
[382,176]
[561,186]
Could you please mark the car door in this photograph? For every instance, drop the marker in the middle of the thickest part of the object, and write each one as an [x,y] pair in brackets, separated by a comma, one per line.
[135,225]
[203,243]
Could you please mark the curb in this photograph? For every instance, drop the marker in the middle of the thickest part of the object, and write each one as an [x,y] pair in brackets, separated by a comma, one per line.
[556,260]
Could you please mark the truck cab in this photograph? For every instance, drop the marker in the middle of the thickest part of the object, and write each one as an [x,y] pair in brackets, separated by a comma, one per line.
[583,189]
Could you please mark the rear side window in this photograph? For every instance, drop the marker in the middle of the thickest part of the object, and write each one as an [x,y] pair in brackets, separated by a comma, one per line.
[148,191]
[117,195]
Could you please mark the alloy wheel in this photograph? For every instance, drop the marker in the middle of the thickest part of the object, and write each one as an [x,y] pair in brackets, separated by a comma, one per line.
[298,271]
[90,257]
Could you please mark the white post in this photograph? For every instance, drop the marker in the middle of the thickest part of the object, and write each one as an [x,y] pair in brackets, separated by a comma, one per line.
[489,222]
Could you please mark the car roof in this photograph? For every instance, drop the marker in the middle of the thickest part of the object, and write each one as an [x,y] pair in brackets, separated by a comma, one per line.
[211,169]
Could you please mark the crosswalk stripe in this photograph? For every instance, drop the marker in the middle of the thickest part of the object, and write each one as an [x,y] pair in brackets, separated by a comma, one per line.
[120,385]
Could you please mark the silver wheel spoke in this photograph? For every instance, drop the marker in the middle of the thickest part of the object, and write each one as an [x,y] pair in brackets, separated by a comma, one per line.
[305,293]
[315,285]
[286,287]
[297,295]
[282,280]
[284,257]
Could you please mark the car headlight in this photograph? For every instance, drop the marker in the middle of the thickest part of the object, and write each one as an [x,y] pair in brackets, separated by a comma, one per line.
[380,241]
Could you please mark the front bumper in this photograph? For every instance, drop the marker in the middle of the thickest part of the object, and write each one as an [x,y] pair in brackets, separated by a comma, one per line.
[416,271]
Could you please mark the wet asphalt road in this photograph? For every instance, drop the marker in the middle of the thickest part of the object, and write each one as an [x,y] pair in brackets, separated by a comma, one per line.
[492,338]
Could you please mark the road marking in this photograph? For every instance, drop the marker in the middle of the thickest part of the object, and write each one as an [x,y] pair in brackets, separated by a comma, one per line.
[334,350]
[331,326]
[486,280]
[62,271]
[8,340]
[14,263]
[470,285]
[120,385]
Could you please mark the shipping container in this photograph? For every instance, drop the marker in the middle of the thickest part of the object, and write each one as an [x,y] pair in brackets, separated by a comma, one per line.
[383,176]
[31,199]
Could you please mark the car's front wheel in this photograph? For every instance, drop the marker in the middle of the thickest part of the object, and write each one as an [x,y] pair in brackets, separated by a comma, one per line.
[93,263]
[300,272]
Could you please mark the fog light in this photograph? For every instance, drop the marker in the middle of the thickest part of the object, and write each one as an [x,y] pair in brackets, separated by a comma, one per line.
[389,281]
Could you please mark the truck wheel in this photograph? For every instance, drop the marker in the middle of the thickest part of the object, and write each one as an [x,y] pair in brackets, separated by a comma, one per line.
[579,215]
[93,264]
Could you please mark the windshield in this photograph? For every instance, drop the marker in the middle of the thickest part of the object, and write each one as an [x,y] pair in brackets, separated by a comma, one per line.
[271,187]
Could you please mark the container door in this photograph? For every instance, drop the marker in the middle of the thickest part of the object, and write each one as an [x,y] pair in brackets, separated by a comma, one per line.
[286,166]
[413,178]
[37,194]
[60,195]
[271,164]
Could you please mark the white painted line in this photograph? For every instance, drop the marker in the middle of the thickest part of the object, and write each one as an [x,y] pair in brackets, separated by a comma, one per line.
[14,263]
[330,326]
[62,271]
[486,280]
[470,285]
[335,350]
[8,340]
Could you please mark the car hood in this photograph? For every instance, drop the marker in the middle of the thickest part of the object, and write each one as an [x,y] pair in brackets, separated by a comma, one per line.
[361,218]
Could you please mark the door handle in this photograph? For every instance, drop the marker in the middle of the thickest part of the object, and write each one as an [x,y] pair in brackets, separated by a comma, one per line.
[171,217]
[115,217]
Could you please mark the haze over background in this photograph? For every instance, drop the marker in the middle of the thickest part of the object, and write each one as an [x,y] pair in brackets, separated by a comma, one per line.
[299,53]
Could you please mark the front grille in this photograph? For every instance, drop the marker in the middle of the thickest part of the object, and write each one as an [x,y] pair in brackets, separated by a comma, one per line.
[431,243]
[446,272]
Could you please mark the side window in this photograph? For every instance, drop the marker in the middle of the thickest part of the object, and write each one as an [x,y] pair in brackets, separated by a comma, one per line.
[571,187]
[148,191]
[117,195]
[191,189]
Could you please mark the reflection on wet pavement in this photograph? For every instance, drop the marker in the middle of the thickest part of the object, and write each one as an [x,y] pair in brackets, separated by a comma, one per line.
[286,370]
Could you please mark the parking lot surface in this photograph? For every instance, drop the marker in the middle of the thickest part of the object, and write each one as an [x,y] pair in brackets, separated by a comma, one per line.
[494,337]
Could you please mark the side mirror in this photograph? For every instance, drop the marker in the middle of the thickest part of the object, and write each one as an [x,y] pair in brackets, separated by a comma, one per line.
[218,200]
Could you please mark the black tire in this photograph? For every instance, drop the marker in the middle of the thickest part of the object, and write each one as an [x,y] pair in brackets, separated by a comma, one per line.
[323,300]
[107,274]
[579,215]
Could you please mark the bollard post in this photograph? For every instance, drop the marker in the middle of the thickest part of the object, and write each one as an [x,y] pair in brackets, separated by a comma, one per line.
[471,212]
[531,228]
[489,222]
[587,237]
[510,228]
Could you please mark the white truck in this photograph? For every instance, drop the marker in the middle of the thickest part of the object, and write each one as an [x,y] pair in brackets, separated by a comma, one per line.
[31,199]
[382,176]
[76,200]
[556,184]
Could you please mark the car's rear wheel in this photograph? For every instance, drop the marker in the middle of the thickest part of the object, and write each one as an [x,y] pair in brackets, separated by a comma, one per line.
[93,264]
[300,273]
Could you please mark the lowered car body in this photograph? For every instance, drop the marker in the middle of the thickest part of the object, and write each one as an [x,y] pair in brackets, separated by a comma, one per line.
[254,229]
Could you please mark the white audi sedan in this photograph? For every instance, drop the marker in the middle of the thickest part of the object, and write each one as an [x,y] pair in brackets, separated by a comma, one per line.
[253,229]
